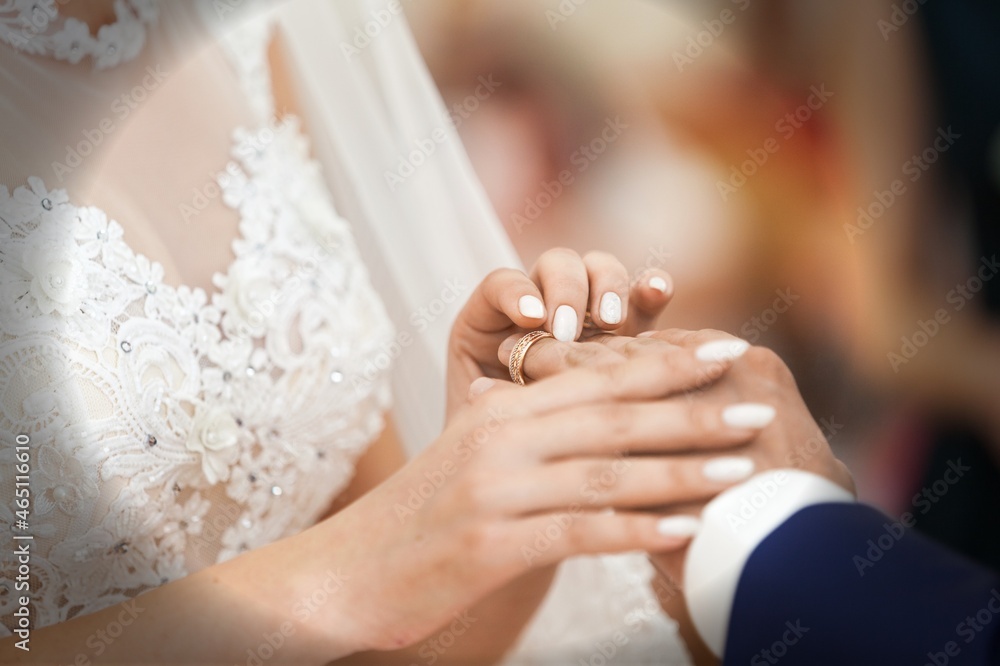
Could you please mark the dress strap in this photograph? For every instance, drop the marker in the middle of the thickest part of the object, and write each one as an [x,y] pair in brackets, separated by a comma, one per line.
[244,33]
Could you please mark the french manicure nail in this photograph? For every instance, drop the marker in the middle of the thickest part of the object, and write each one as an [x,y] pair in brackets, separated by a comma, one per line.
[728,468]
[611,308]
[748,415]
[658,283]
[564,324]
[721,350]
[531,307]
[678,526]
[481,386]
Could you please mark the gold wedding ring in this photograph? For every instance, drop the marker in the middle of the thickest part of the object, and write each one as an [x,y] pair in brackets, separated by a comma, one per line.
[520,351]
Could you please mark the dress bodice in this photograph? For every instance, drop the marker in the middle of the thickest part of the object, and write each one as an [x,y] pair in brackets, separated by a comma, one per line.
[173,427]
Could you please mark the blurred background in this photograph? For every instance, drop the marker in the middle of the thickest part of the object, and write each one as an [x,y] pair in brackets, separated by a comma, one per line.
[820,178]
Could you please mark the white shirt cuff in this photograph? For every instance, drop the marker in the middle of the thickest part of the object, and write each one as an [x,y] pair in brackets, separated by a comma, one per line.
[733,525]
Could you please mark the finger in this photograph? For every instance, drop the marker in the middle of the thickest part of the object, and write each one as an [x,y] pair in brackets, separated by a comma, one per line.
[562,277]
[609,290]
[620,483]
[648,377]
[505,296]
[680,368]
[668,426]
[648,297]
[548,356]
[548,539]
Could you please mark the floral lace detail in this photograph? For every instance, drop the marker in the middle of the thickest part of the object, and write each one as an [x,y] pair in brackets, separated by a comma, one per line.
[33,26]
[172,428]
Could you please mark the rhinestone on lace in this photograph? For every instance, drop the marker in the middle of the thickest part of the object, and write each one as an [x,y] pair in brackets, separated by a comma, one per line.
[151,440]
[126,346]
[276,491]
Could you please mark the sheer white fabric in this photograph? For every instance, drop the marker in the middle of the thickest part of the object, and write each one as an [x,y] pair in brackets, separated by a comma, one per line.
[175,426]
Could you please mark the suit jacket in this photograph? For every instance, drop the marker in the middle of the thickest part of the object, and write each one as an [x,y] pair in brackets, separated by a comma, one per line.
[845,584]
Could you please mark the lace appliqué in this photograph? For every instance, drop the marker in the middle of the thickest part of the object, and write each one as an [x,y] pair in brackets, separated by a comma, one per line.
[172,428]
[34,27]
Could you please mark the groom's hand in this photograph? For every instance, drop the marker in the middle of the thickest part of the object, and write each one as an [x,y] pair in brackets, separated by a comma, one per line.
[556,296]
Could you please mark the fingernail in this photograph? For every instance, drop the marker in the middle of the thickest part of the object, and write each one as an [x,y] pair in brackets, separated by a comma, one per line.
[721,350]
[611,308]
[481,386]
[564,324]
[748,415]
[728,468]
[531,307]
[658,283]
[678,526]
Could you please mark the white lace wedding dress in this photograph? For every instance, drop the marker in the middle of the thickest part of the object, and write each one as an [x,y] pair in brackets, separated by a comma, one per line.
[174,427]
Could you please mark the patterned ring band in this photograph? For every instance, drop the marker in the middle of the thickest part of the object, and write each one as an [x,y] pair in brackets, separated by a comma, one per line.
[520,351]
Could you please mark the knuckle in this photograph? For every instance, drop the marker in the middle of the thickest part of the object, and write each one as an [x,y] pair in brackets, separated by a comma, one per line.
[616,420]
[560,253]
[767,364]
[600,258]
[702,418]
[475,493]
[479,540]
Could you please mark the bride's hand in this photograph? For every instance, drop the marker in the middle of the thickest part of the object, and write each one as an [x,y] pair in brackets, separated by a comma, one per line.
[521,478]
[759,377]
[732,372]
[561,289]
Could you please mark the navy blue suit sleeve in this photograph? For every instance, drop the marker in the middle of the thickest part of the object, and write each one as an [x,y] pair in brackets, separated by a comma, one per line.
[845,584]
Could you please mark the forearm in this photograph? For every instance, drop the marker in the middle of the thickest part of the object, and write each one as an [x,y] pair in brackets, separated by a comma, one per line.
[481,635]
[267,601]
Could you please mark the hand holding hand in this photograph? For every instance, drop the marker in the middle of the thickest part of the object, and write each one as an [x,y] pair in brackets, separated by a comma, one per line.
[561,289]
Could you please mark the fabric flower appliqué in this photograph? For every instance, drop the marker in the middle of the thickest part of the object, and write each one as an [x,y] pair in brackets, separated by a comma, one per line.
[56,275]
[214,435]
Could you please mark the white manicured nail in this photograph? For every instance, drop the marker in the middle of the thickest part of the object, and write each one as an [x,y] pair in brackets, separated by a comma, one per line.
[728,468]
[564,324]
[658,283]
[530,306]
[678,526]
[611,308]
[748,415]
[721,350]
